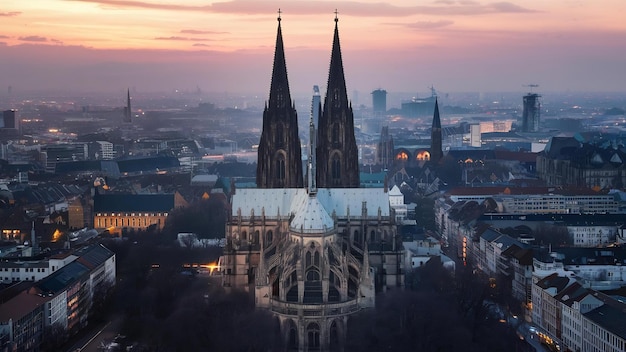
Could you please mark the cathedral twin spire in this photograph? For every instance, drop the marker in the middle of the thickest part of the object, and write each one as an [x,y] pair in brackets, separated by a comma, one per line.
[337,153]
[279,155]
[279,162]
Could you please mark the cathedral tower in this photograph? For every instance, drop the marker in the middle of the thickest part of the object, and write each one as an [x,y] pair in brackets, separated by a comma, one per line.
[311,256]
[279,162]
[436,149]
[337,153]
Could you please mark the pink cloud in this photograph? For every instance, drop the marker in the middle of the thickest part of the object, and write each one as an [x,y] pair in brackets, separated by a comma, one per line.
[10,14]
[197,31]
[429,24]
[352,8]
[177,38]
[33,38]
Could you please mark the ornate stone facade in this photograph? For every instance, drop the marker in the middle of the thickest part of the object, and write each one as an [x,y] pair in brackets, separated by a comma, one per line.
[314,256]
[336,154]
[279,160]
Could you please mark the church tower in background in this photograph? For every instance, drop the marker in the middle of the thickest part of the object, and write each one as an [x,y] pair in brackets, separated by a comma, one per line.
[436,148]
[337,154]
[279,156]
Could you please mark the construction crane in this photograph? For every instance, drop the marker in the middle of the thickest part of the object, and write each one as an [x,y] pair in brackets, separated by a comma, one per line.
[531,86]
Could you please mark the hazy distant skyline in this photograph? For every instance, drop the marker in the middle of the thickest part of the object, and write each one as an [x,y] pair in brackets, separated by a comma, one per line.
[227,46]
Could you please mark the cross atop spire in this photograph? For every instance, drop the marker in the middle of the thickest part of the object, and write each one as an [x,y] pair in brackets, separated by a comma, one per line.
[279,12]
[336,13]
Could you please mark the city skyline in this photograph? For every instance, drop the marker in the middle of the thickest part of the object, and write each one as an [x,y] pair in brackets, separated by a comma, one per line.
[104,45]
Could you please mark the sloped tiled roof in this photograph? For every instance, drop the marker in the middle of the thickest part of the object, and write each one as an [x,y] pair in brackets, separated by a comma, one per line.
[20,305]
[506,241]
[93,256]
[490,235]
[554,280]
[573,293]
[310,215]
[523,255]
[148,164]
[523,157]
[133,202]
[611,317]
[559,147]
[63,277]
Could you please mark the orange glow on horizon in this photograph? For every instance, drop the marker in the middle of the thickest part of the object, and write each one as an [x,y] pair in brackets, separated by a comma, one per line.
[455,45]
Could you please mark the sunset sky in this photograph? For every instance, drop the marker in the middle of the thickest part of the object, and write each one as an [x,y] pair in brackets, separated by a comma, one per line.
[227,46]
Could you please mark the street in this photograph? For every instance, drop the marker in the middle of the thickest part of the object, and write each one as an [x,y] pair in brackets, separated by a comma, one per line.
[101,333]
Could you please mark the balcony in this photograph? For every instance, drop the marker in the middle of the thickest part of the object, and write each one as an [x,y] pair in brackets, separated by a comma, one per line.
[314,310]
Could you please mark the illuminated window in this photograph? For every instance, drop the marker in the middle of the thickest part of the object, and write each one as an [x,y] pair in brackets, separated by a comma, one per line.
[402,156]
[423,155]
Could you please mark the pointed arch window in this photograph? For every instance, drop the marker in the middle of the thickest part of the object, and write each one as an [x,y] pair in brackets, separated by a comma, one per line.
[280,169]
[334,336]
[293,338]
[336,169]
[279,140]
[312,275]
[269,237]
[313,335]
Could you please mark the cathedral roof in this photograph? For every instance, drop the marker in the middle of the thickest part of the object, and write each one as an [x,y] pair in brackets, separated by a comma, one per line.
[284,201]
[310,215]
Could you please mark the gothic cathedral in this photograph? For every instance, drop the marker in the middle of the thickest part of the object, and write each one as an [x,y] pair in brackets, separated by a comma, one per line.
[312,252]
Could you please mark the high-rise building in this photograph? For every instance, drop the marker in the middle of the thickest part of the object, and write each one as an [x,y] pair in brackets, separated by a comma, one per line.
[104,150]
[379,101]
[10,119]
[316,105]
[128,112]
[312,254]
[531,113]
[52,154]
